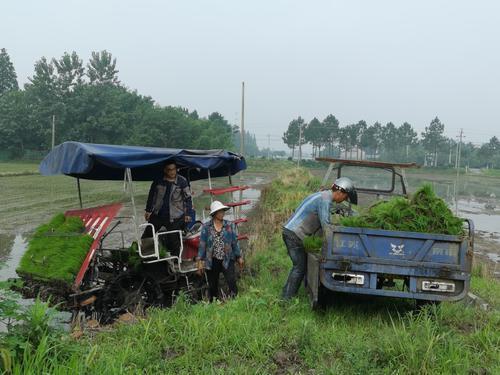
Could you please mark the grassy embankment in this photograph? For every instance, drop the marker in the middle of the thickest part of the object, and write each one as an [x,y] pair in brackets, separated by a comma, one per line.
[257,333]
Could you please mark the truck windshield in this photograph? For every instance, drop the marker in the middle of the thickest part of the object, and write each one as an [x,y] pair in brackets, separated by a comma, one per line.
[370,178]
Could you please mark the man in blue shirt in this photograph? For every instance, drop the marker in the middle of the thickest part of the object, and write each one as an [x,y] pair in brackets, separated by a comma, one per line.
[309,218]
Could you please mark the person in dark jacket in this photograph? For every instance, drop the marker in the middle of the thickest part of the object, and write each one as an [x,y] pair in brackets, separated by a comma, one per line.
[219,250]
[168,204]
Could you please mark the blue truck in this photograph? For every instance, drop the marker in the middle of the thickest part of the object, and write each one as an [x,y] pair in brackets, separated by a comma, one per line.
[422,266]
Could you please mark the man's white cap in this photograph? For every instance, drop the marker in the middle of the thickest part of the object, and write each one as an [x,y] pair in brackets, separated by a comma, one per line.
[217,206]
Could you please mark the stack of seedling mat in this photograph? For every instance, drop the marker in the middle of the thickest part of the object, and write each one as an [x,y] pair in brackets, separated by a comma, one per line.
[54,256]
[423,212]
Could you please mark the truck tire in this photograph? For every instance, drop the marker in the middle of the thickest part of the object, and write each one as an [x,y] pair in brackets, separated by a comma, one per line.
[320,304]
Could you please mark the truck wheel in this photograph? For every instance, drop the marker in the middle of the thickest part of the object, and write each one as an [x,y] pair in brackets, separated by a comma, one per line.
[320,304]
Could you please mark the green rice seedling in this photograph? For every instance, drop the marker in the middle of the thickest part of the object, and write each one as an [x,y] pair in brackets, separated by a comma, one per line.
[56,251]
[313,244]
[423,212]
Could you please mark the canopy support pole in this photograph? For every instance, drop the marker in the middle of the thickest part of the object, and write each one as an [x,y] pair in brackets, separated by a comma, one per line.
[128,178]
[79,191]
[210,184]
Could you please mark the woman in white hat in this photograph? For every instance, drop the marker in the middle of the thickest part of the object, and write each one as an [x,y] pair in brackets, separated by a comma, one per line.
[219,250]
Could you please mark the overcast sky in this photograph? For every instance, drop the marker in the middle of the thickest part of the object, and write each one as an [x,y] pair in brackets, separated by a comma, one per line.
[359,60]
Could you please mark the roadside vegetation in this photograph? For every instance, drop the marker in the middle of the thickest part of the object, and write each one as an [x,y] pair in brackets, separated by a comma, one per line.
[259,333]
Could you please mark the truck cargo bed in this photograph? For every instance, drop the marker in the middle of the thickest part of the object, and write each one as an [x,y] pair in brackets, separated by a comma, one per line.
[423,266]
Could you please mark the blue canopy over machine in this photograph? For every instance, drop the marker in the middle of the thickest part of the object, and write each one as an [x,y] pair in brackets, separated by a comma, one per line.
[110,162]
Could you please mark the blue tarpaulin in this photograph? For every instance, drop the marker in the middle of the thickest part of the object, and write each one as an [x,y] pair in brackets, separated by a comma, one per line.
[108,162]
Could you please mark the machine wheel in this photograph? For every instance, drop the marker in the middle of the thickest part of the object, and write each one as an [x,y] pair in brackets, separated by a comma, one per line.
[130,292]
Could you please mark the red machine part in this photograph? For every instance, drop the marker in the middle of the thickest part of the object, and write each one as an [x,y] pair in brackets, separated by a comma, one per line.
[191,245]
[219,191]
[96,221]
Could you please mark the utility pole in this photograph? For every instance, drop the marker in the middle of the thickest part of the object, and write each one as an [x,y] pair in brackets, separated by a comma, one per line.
[53,130]
[459,151]
[451,149]
[242,133]
[268,146]
[300,145]
[237,213]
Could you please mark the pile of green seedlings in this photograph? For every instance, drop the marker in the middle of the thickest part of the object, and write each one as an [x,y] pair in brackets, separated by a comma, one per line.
[423,212]
[56,251]
[313,244]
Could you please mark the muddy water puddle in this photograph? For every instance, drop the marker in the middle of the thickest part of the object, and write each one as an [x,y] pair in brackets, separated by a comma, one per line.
[12,248]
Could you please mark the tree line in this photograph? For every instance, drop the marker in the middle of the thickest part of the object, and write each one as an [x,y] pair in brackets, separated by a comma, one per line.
[88,103]
[389,142]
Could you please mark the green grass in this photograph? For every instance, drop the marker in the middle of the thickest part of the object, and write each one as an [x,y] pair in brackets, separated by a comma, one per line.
[18,168]
[257,333]
[56,251]
[491,172]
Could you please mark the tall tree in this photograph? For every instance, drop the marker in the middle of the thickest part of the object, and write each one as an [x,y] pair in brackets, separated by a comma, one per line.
[389,138]
[291,136]
[70,71]
[42,86]
[344,138]
[330,131]
[432,139]
[407,138]
[356,133]
[101,69]
[313,135]
[18,131]
[44,98]
[371,139]
[8,77]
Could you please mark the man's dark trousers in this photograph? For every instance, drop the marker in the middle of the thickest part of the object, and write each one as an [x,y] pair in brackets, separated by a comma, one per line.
[297,253]
[172,240]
